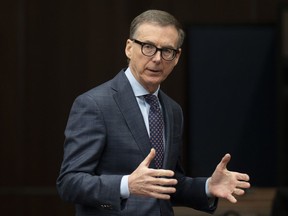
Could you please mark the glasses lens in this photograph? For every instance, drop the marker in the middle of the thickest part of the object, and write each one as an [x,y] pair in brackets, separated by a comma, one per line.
[148,49]
[168,54]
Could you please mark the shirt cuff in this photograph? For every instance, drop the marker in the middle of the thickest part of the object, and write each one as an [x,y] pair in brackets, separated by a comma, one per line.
[124,189]
[206,189]
[211,198]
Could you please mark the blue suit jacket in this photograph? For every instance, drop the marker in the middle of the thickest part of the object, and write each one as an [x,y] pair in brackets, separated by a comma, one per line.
[106,138]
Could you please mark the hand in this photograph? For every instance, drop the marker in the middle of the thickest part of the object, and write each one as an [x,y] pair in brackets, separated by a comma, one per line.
[145,181]
[225,184]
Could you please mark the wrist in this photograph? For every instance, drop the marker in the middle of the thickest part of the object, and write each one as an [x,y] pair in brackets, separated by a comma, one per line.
[207,188]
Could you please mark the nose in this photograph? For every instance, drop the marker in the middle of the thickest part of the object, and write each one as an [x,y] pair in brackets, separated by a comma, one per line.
[157,56]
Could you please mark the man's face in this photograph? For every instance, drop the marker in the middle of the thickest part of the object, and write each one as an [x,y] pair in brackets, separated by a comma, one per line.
[151,71]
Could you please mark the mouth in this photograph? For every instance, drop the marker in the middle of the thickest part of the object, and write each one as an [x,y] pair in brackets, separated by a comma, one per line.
[154,70]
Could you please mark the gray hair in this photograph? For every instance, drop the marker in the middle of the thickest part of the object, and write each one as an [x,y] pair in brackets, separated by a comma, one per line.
[158,17]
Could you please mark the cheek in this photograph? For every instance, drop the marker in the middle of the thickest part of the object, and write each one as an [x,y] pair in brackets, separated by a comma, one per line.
[137,61]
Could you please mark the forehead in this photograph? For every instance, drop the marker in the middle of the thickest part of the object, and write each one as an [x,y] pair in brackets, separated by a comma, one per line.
[160,35]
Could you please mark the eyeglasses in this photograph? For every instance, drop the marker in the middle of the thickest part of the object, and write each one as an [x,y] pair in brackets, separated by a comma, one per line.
[150,50]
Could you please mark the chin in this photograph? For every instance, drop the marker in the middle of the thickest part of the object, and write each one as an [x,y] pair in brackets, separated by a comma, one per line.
[154,84]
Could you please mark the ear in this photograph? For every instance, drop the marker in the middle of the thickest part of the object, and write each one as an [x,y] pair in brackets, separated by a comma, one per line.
[128,49]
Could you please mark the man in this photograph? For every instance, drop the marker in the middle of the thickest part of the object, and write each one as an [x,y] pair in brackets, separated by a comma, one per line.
[110,165]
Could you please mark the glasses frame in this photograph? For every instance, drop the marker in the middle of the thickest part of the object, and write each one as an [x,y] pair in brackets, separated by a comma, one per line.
[175,51]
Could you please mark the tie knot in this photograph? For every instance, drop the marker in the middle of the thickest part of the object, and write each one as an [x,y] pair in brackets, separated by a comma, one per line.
[152,100]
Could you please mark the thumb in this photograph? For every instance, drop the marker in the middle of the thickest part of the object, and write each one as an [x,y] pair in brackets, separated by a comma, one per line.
[225,160]
[146,162]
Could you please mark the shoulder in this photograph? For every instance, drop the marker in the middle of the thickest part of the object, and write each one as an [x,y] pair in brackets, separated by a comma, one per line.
[106,89]
[167,100]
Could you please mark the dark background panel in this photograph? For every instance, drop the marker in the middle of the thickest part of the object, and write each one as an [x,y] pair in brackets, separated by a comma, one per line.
[232,100]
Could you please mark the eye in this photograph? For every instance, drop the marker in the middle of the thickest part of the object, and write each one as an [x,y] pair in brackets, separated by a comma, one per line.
[148,46]
[167,51]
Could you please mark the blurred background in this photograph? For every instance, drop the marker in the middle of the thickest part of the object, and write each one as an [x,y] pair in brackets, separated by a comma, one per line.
[231,81]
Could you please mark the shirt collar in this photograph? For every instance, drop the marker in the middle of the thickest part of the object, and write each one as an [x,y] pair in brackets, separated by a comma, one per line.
[138,89]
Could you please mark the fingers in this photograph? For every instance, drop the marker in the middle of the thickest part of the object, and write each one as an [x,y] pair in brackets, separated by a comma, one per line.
[159,196]
[161,188]
[146,162]
[243,185]
[156,195]
[160,192]
[238,192]
[163,181]
[225,160]
[243,177]
[231,198]
[242,181]
[158,173]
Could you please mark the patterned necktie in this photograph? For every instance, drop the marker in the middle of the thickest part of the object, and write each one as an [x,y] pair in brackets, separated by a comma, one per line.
[156,127]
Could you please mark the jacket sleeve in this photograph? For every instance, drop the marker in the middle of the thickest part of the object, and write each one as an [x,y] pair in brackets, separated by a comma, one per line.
[78,181]
[190,192]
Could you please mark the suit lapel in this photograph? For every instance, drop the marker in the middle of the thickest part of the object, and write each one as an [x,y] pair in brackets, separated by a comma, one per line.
[128,105]
[168,118]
